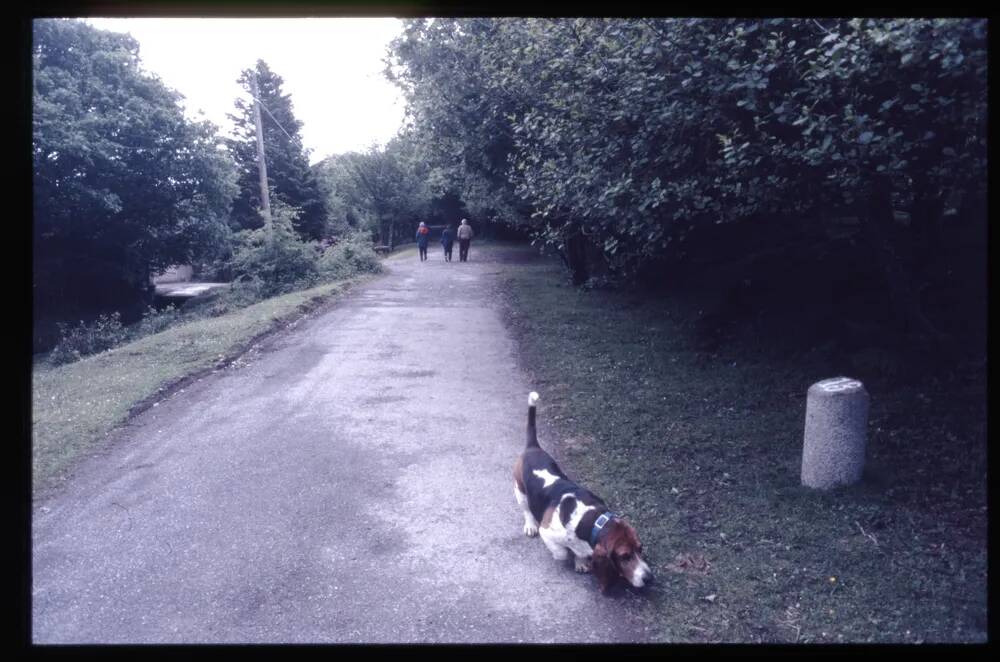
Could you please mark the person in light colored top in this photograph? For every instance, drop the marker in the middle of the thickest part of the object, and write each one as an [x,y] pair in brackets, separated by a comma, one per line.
[465,235]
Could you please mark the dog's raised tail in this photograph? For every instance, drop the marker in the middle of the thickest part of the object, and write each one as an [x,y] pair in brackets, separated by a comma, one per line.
[532,433]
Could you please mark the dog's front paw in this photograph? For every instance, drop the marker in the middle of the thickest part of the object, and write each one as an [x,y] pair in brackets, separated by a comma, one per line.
[530,530]
[582,565]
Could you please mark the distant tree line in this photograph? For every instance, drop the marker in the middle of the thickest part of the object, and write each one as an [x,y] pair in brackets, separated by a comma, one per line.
[618,141]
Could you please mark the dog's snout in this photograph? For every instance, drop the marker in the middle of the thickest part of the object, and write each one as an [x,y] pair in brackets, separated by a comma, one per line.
[644,576]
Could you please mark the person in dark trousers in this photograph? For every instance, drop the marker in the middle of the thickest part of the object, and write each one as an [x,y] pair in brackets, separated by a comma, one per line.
[464,239]
[423,234]
[447,240]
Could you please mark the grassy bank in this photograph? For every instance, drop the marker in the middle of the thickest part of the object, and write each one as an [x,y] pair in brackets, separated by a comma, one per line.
[701,449]
[75,406]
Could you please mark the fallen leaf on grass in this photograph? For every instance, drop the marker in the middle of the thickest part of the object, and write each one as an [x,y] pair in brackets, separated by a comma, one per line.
[690,563]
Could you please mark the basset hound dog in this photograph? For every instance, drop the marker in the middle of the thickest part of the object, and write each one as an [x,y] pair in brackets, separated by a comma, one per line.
[571,519]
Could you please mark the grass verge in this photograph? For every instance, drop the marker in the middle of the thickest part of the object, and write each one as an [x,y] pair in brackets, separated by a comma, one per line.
[702,450]
[400,252]
[75,406]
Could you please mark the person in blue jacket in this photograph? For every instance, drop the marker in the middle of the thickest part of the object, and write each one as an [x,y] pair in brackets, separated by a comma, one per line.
[423,234]
[447,240]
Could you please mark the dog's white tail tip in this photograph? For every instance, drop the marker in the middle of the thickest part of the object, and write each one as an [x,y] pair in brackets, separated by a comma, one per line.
[532,399]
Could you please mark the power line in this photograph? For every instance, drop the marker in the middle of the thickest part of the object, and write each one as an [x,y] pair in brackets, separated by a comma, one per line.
[261,104]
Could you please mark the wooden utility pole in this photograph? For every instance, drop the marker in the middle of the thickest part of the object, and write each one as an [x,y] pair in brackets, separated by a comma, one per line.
[265,199]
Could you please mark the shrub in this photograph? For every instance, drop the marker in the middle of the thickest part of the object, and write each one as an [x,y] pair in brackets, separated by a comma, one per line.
[216,270]
[154,321]
[284,264]
[83,339]
[350,256]
[245,291]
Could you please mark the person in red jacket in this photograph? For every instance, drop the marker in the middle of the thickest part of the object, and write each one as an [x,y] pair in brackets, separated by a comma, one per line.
[423,235]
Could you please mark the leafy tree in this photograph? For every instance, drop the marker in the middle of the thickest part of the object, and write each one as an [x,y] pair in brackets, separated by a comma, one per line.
[335,177]
[460,111]
[384,190]
[447,209]
[124,185]
[289,176]
[623,136]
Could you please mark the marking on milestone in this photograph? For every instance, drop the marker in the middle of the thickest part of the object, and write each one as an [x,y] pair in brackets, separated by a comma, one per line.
[839,384]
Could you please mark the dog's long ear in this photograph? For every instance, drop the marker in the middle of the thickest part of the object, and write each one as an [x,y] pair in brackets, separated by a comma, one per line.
[603,567]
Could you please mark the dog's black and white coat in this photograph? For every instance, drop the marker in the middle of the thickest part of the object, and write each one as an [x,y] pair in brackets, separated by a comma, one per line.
[572,519]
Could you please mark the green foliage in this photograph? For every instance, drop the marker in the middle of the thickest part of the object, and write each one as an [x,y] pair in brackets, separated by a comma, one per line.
[350,256]
[333,177]
[246,290]
[348,209]
[384,191]
[461,107]
[634,132]
[154,321]
[123,183]
[262,272]
[274,265]
[84,339]
[290,178]
[217,269]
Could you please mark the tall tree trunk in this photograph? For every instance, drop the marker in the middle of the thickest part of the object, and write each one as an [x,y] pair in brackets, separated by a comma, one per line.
[392,229]
[576,257]
[926,221]
[904,299]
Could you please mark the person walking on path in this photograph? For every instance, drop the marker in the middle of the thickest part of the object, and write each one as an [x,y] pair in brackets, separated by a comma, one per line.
[464,239]
[423,234]
[447,240]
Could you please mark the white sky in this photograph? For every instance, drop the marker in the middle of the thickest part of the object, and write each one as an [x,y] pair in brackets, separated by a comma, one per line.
[332,67]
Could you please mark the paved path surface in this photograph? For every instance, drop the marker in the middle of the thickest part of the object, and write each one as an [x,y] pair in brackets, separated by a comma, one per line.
[350,483]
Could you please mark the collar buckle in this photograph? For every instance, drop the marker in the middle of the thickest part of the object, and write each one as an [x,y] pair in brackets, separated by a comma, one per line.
[599,526]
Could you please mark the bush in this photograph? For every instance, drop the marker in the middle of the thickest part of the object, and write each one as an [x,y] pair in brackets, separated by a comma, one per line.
[83,339]
[154,321]
[282,265]
[245,291]
[216,270]
[261,271]
[350,256]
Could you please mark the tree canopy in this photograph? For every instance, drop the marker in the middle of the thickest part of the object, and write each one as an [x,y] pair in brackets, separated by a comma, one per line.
[633,131]
[124,184]
[289,176]
[383,189]
[614,139]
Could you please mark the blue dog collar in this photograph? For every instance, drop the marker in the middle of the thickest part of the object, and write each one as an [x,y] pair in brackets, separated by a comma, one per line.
[598,525]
